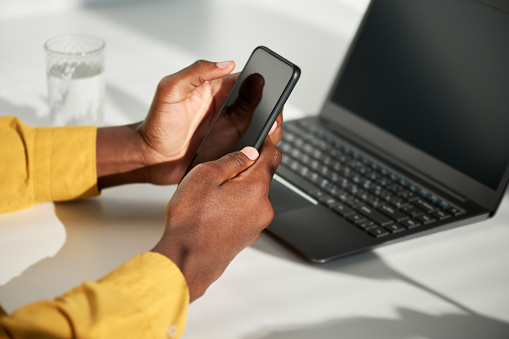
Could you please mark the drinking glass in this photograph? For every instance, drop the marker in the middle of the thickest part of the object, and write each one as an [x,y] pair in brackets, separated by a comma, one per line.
[75,74]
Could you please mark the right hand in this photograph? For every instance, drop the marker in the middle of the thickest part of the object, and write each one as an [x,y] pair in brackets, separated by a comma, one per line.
[219,209]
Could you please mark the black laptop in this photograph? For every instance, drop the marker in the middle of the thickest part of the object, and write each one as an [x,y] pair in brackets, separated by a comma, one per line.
[413,137]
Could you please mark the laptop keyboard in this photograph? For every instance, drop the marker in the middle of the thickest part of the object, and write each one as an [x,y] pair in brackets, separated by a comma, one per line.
[372,196]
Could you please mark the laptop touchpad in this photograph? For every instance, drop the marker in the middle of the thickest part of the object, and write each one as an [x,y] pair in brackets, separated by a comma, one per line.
[284,199]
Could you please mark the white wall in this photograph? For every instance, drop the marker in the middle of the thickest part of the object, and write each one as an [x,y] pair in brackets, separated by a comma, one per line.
[21,8]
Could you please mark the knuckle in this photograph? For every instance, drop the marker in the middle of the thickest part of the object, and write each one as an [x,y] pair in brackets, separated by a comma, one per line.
[273,161]
[237,159]
[199,169]
[278,155]
[268,214]
[255,238]
[199,62]
[205,171]
[163,83]
[260,188]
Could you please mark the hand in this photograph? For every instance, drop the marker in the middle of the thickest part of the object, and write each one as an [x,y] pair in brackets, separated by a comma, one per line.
[219,208]
[159,149]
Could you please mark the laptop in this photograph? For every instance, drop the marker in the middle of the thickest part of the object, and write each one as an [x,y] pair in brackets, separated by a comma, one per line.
[413,137]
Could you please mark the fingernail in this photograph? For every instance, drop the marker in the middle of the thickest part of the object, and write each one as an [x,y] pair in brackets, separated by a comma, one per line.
[224,64]
[273,128]
[250,152]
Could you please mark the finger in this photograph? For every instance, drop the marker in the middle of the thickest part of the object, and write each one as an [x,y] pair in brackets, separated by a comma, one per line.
[276,132]
[195,75]
[273,128]
[202,71]
[220,89]
[280,118]
[264,168]
[232,164]
[276,135]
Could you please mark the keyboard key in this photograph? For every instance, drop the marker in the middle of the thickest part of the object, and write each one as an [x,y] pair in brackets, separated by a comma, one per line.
[333,189]
[395,228]
[403,182]
[315,165]
[425,205]
[425,218]
[374,201]
[313,177]
[393,212]
[440,214]
[353,201]
[395,188]
[398,202]
[453,210]
[356,218]
[410,223]
[295,166]
[422,192]
[378,232]
[374,215]
[342,209]
[341,195]
[432,198]
[408,195]
[328,201]
[366,224]
[412,210]
[304,171]
[414,188]
[318,194]
[285,159]
[298,142]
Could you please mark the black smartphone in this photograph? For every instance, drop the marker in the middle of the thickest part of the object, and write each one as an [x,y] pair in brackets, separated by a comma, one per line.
[256,99]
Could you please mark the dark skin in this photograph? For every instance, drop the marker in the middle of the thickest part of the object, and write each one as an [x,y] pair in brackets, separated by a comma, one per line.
[185,103]
[219,209]
[221,206]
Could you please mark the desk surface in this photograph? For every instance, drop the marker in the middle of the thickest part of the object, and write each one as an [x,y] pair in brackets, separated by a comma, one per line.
[454,284]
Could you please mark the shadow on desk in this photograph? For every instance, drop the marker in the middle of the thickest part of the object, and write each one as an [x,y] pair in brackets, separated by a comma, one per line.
[101,234]
[28,112]
[409,324]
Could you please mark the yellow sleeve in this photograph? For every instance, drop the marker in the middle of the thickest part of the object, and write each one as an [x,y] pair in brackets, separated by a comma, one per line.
[147,297]
[45,164]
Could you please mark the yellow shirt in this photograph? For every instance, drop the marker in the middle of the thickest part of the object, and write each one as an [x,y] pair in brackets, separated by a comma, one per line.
[147,297]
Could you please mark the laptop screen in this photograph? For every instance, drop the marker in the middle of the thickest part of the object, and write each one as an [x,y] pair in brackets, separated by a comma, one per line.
[435,74]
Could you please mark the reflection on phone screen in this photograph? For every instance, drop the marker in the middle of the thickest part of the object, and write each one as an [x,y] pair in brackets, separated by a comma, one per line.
[246,110]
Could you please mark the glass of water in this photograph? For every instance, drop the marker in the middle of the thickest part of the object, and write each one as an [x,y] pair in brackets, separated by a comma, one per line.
[74,68]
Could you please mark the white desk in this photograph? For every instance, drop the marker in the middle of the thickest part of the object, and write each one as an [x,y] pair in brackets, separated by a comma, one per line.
[453,284]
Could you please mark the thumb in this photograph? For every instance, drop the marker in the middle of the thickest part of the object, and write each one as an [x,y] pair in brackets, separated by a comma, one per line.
[197,74]
[232,164]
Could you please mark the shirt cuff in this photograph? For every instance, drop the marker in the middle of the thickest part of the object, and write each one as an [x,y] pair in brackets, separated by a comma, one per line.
[65,163]
[159,289]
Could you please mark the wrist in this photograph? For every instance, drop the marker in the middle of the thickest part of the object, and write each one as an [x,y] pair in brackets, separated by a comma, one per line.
[197,279]
[119,157]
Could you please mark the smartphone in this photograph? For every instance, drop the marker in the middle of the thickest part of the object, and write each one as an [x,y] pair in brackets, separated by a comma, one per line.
[256,99]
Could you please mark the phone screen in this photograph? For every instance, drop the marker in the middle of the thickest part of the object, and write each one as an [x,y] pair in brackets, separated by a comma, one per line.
[252,105]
